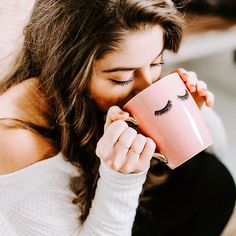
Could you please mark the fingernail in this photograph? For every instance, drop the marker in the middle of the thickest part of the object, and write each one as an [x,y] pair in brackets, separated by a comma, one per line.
[203,92]
[123,113]
[209,103]
[132,120]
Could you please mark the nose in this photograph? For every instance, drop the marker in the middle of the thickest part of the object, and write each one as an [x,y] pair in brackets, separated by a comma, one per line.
[143,78]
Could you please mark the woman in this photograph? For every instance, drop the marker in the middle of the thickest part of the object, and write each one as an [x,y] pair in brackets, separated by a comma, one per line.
[63,133]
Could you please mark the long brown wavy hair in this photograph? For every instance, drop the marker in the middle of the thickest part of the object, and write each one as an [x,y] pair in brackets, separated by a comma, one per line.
[62,40]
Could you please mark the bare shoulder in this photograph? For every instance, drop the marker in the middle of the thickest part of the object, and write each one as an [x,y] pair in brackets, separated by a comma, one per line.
[21,147]
[23,101]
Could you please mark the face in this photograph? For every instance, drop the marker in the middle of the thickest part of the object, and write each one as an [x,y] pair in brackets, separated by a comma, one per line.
[135,65]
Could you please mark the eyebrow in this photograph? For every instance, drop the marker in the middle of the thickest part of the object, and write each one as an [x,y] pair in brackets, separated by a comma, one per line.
[127,68]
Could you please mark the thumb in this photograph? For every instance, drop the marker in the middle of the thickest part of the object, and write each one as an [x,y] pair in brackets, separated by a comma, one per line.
[115,113]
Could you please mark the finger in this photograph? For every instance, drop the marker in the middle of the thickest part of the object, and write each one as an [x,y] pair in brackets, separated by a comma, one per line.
[115,113]
[191,83]
[123,145]
[201,88]
[137,147]
[138,144]
[199,100]
[189,78]
[148,151]
[210,98]
[119,156]
[127,137]
[109,138]
[183,74]
[114,131]
[130,164]
[146,155]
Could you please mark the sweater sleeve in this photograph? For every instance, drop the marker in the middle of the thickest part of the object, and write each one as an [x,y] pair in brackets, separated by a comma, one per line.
[38,201]
[6,228]
[114,206]
[218,132]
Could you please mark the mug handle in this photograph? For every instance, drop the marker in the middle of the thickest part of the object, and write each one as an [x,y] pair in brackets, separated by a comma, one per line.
[132,122]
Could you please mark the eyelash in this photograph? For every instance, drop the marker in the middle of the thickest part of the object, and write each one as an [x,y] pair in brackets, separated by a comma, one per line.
[185,96]
[169,104]
[165,109]
[123,83]
[157,64]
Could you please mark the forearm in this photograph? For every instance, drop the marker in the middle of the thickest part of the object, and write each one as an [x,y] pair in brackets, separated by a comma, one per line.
[114,206]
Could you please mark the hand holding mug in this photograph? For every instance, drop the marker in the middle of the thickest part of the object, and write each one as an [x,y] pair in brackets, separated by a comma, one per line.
[121,148]
[197,88]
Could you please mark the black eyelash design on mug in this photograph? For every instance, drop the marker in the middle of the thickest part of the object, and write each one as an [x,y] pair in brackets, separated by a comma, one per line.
[185,96]
[165,109]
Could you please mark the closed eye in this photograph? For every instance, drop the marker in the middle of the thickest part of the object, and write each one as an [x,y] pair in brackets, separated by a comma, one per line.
[157,64]
[164,110]
[185,96]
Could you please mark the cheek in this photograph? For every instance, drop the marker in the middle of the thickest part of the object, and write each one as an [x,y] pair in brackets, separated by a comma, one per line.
[105,99]
[156,74]
[103,102]
[106,95]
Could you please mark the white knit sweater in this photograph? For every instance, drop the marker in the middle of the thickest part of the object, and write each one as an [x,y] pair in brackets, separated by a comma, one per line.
[37,201]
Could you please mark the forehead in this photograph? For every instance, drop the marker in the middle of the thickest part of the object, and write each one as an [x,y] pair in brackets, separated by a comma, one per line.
[136,49]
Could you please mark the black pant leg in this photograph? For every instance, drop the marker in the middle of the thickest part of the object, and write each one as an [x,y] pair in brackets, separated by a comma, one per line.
[197,200]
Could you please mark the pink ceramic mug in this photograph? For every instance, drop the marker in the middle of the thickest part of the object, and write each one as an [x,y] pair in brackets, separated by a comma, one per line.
[166,112]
